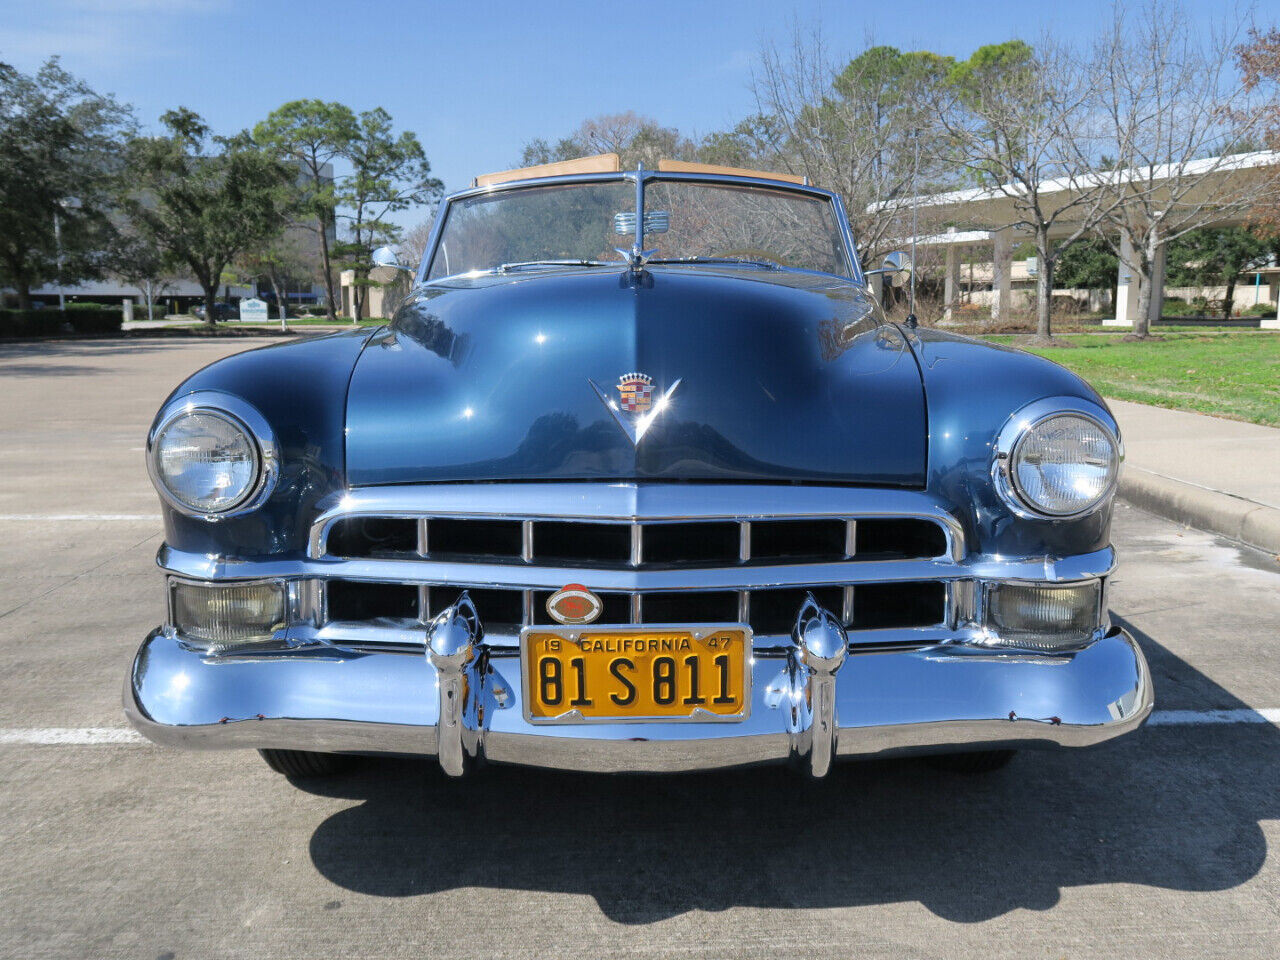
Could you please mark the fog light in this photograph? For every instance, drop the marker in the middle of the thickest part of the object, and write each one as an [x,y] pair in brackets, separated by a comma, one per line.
[218,615]
[1044,616]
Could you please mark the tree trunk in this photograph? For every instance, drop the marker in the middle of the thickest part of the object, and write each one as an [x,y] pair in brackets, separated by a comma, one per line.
[329,300]
[1145,255]
[357,298]
[1044,285]
[24,294]
[282,300]
[1229,302]
[1142,322]
[210,298]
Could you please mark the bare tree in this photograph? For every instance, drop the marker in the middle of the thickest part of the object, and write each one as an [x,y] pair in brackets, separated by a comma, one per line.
[1259,61]
[142,263]
[636,139]
[1181,120]
[287,259]
[1016,118]
[855,130]
[413,243]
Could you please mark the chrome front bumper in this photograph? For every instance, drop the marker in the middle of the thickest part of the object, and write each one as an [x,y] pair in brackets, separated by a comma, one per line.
[815,702]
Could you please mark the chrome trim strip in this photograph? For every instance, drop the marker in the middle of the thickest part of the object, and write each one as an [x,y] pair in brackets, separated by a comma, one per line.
[424,603]
[526,541]
[637,544]
[390,632]
[627,580]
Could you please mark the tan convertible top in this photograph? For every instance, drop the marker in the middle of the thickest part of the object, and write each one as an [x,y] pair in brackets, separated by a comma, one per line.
[600,163]
[681,166]
[610,163]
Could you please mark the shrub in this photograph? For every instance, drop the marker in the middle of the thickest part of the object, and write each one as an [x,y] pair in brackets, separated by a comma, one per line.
[31,323]
[95,318]
[158,311]
[1259,310]
[83,317]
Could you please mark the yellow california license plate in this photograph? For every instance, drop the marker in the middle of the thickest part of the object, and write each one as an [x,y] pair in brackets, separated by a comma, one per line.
[594,674]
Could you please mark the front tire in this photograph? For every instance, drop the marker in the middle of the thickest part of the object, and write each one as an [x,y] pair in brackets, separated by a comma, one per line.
[301,764]
[980,761]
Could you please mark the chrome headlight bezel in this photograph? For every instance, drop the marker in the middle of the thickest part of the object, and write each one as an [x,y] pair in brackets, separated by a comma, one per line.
[1016,429]
[241,415]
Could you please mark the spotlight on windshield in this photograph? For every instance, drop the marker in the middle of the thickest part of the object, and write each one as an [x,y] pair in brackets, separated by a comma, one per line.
[655,221]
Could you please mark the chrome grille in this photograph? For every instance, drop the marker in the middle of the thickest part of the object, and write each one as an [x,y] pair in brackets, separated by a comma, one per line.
[398,559]
[874,606]
[710,543]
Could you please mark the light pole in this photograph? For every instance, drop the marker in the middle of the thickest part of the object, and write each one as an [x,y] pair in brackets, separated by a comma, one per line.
[68,203]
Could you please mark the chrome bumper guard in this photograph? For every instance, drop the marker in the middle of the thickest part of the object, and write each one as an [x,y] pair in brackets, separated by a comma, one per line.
[812,702]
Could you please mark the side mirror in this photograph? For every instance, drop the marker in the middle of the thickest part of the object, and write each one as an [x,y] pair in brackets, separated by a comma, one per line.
[898,266]
[385,265]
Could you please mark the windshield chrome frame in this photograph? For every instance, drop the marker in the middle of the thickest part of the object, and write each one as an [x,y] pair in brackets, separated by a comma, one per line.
[640,178]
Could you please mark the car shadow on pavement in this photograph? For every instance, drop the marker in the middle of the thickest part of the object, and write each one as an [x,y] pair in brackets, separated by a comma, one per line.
[1176,807]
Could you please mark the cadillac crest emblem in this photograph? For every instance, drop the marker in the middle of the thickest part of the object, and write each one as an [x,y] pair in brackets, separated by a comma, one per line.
[637,407]
[637,392]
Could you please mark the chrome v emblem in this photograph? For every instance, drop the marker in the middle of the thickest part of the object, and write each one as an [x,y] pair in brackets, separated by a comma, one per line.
[635,417]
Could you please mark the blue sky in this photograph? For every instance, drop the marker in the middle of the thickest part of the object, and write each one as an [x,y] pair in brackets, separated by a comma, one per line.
[476,80]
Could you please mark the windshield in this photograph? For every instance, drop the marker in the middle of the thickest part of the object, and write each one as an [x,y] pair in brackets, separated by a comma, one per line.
[684,221]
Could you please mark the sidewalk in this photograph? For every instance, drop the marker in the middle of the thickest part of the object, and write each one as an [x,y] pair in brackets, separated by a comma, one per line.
[1218,475]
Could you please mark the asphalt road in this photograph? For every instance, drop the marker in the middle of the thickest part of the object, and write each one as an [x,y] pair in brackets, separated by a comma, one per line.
[1155,846]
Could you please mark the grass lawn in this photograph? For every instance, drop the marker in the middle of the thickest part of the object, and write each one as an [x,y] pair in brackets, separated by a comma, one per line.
[1227,374]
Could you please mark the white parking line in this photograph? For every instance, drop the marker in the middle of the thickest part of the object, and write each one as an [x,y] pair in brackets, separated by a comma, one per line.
[67,517]
[71,736]
[99,736]
[1200,717]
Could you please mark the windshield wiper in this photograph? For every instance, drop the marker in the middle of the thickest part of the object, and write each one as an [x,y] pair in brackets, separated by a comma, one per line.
[520,264]
[736,261]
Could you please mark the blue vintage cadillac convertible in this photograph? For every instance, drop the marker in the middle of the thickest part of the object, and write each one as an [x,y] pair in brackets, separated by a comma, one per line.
[638,478]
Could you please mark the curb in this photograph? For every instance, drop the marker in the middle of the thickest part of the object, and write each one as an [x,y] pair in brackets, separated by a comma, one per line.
[1222,513]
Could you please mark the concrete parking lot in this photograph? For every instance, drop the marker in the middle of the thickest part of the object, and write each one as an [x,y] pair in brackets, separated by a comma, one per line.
[1159,845]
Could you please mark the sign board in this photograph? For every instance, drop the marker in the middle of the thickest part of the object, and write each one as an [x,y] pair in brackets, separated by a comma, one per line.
[253,309]
[1033,266]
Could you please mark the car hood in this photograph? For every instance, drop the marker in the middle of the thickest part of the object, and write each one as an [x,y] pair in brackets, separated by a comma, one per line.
[782,377]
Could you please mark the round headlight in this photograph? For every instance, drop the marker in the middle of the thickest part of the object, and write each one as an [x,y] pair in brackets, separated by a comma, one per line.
[206,461]
[1064,464]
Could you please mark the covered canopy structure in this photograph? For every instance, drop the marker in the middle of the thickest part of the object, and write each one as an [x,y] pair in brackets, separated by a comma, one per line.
[1208,190]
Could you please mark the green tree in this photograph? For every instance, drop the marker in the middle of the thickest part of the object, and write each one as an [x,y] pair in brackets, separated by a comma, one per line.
[59,160]
[389,174]
[204,207]
[312,134]
[1215,257]
[1088,264]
